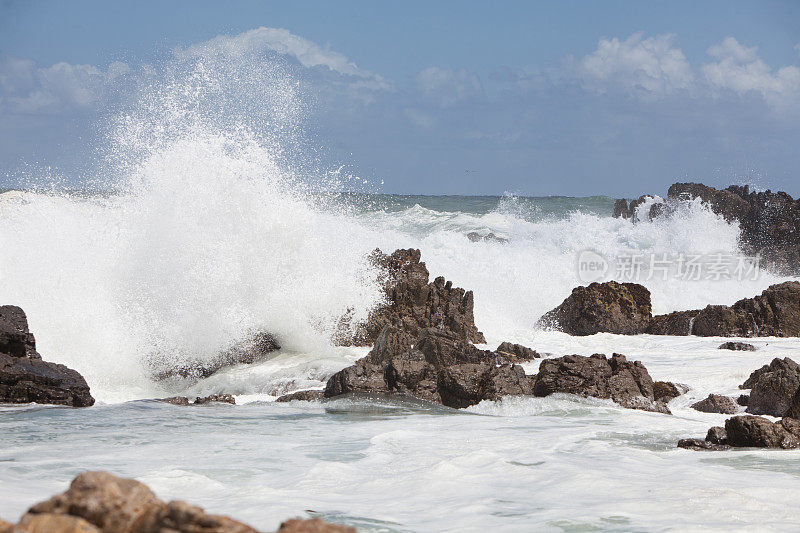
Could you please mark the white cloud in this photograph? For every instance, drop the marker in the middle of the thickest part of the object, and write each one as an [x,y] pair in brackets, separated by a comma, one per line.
[740,69]
[447,86]
[307,53]
[649,66]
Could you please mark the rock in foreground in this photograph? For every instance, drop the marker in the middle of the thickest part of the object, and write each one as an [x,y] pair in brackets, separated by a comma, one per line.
[25,377]
[773,388]
[716,403]
[609,307]
[627,383]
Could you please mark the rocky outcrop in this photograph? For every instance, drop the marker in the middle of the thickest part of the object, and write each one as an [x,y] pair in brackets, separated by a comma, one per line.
[255,348]
[25,377]
[311,395]
[516,352]
[609,307]
[769,222]
[716,440]
[676,323]
[748,431]
[441,367]
[716,403]
[214,398]
[773,388]
[413,304]
[314,525]
[627,383]
[474,236]
[664,391]
[737,346]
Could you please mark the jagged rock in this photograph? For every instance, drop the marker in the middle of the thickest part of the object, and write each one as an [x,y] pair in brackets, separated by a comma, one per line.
[700,444]
[255,348]
[474,236]
[664,391]
[743,400]
[175,400]
[773,387]
[314,525]
[609,307]
[717,435]
[676,323]
[623,209]
[716,403]
[215,398]
[99,501]
[413,304]
[311,395]
[737,346]
[756,431]
[615,378]
[516,352]
[441,368]
[25,377]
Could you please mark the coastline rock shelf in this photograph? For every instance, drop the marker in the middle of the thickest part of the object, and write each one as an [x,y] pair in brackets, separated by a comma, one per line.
[101,502]
[25,377]
[625,308]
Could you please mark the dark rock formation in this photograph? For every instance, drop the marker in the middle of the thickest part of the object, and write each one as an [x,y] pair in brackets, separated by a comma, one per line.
[516,352]
[700,444]
[627,383]
[99,501]
[609,307]
[737,346]
[214,398]
[25,377]
[413,304]
[743,400]
[315,525]
[440,368]
[774,387]
[717,435]
[664,391]
[756,431]
[311,395]
[474,236]
[623,209]
[676,323]
[256,348]
[716,403]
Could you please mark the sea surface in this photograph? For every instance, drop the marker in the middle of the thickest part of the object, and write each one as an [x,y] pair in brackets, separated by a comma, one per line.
[200,228]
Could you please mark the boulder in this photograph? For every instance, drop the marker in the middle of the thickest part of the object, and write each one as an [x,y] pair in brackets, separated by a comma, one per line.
[737,346]
[314,525]
[413,304]
[610,307]
[664,391]
[214,398]
[441,367]
[773,388]
[516,352]
[717,435]
[700,444]
[311,395]
[716,403]
[756,431]
[677,323]
[743,400]
[627,383]
[25,377]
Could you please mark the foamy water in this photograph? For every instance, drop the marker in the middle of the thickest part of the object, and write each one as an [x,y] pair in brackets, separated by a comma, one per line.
[217,229]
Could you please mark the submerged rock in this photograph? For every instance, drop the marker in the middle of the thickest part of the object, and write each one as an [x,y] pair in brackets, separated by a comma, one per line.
[737,346]
[610,307]
[214,398]
[314,525]
[627,383]
[441,367]
[716,403]
[474,236]
[773,388]
[414,304]
[311,395]
[25,377]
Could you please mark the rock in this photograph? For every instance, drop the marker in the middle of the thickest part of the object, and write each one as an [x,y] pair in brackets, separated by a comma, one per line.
[311,395]
[175,400]
[621,209]
[474,236]
[700,444]
[676,323]
[15,338]
[737,346]
[413,304]
[215,398]
[756,431]
[664,391]
[717,435]
[5,527]
[516,352]
[99,501]
[441,367]
[716,404]
[610,307]
[314,525]
[743,400]
[615,378]
[773,388]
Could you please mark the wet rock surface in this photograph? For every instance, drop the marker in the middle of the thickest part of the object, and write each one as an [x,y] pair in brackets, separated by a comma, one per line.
[610,307]
[516,352]
[627,383]
[664,391]
[737,347]
[440,367]
[716,403]
[773,388]
[214,398]
[25,377]
[313,395]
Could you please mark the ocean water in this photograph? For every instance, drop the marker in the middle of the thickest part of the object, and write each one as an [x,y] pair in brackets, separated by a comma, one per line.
[215,229]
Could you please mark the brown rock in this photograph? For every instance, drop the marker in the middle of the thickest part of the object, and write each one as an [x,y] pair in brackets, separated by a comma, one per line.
[468,384]
[215,398]
[677,323]
[312,395]
[516,352]
[700,444]
[314,525]
[774,387]
[755,431]
[53,523]
[664,391]
[717,435]
[737,346]
[716,403]
[175,400]
[610,307]
[743,400]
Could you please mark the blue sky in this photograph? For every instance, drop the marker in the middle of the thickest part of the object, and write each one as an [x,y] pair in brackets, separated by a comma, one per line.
[536,98]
